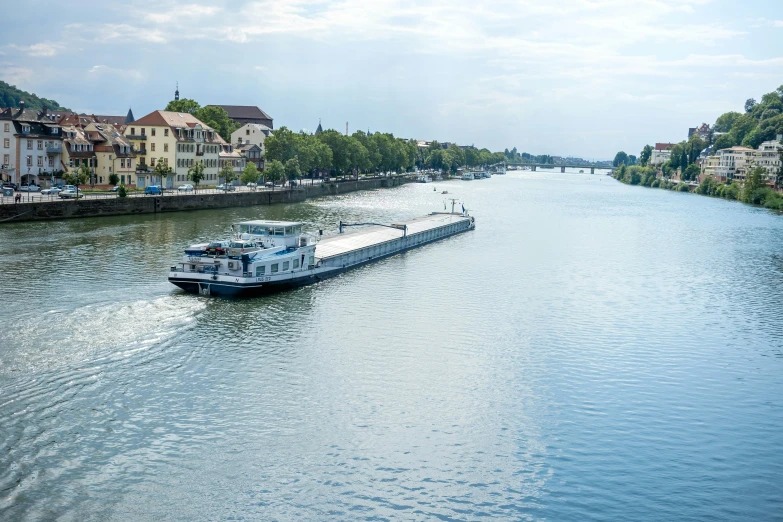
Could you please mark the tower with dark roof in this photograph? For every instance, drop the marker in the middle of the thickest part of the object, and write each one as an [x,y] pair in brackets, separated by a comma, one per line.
[176,93]
[320,129]
[129,118]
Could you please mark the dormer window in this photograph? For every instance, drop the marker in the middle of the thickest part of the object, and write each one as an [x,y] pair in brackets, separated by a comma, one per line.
[25,128]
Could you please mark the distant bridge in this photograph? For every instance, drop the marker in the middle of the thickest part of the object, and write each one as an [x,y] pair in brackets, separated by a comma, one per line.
[562,167]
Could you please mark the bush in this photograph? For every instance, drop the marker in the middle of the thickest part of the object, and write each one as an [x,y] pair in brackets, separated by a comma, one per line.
[122,192]
[681,187]
[656,183]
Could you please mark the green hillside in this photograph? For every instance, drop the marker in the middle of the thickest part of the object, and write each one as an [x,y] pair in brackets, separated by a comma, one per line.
[10,96]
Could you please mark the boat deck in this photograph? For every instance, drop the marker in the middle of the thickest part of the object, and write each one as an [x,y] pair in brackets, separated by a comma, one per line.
[375,235]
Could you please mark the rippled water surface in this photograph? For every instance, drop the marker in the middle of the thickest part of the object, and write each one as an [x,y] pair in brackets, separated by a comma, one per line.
[590,351]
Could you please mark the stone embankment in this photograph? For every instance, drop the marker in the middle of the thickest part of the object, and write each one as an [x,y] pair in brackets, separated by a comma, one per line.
[85,208]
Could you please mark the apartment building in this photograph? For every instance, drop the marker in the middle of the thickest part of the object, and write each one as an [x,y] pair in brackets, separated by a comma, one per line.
[31,147]
[179,140]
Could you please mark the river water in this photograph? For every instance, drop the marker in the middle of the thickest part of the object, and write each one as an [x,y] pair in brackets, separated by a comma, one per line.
[591,351]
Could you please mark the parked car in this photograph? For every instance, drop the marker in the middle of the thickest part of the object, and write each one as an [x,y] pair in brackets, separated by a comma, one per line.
[153,189]
[29,188]
[115,188]
[51,191]
[292,183]
[185,188]
[10,185]
[252,185]
[225,187]
[60,186]
[70,194]
[269,184]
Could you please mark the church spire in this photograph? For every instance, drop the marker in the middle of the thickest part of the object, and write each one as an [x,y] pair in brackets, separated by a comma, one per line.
[320,129]
[176,93]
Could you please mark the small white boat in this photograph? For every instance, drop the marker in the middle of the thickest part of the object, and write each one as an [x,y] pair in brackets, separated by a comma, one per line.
[467,176]
[424,178]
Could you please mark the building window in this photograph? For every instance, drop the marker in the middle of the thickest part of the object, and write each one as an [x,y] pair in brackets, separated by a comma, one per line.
[7,143]
[153,131]
[122,163]
[40,144]
[165,147]
[143,131]
[6,128]
[165,132]
[6,159]
[165,161]
[51,162]
[29,144]
[29,161]
[152,147]
[40,161]
[25,128]
[129,164]
[152,162]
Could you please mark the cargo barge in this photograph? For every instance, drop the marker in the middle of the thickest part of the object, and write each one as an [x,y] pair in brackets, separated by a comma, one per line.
[270,256]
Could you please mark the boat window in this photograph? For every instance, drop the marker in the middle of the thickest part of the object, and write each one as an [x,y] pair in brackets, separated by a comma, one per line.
[296,263]
[260,270]
[312,260]
[286,266]
[273,268]
[279,231]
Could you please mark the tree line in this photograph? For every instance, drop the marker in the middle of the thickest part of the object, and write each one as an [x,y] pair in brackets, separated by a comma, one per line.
[336,154]
[10,96]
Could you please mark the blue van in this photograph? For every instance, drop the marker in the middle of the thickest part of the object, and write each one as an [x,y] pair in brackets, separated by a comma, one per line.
[153,189]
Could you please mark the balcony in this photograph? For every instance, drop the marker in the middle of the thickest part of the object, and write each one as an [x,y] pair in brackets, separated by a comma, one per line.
[142,152]
[136,136]
[54,149]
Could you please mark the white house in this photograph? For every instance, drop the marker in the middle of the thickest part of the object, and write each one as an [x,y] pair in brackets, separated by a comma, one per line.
[252,133]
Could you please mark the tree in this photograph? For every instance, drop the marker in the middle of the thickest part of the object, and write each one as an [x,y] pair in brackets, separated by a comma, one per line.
[631,159]
[724,141]
[725,121]
[228,174]
[274,172]
[753,182]
[749,104]
[779,173]
[621,158]
[196,173]
[250,174]
[691,173]
[161,169]
[78,177]
[217,118]
[184,105]
[644,156]
[113,179]
[292,171]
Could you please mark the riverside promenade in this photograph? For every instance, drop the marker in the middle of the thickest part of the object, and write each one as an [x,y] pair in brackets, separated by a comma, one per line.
[177,202]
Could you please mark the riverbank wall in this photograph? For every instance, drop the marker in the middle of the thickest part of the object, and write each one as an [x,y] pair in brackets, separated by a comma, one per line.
[87,208]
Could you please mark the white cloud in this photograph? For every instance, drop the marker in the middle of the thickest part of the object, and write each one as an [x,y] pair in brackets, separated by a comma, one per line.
[42,49]
[105,71]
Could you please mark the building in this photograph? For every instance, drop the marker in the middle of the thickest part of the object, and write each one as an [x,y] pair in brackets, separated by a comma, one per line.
[252,154]
[113,153]
[232,157]
[661,154]
[734,162]
[703,131]
[31,148]
[244,114]
[251,133]
[768,156]
[179,140]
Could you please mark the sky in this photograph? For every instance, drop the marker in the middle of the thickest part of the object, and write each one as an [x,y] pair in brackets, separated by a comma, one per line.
[564,77]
